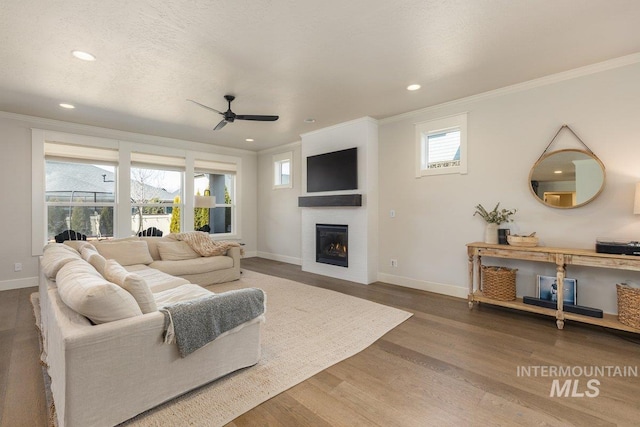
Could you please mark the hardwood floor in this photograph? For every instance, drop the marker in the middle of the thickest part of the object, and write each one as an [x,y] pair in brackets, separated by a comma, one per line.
[445,366]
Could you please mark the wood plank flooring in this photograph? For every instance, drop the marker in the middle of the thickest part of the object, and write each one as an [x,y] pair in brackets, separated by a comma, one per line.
[445,366]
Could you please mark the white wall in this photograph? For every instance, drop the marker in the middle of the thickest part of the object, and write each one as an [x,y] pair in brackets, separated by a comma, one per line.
[507,132]
[278,211]
[15,189]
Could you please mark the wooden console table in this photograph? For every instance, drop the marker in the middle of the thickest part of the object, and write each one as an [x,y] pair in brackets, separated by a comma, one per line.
[561,257]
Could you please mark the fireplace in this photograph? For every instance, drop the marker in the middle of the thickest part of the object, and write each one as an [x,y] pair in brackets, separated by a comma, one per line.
[332,243]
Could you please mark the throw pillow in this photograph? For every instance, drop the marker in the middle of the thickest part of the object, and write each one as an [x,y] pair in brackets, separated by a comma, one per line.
[54,257]
[126,252]
[176,251]
[94,258]
[88,293]
[132,283]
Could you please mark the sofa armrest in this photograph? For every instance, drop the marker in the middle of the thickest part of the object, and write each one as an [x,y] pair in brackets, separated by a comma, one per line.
[234,253]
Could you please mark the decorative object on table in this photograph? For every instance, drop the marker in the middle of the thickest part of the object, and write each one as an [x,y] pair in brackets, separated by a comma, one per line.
[493,219]
[547,289]
[499,283]
[569,308]
[503,236]
[628,305]
[617,246]
[527,241]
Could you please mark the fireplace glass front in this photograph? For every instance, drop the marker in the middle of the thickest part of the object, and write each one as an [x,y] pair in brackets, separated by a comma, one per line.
[332,244]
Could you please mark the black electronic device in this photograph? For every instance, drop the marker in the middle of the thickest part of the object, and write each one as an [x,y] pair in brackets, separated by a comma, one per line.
[569,308]
[618,247]
[333,171]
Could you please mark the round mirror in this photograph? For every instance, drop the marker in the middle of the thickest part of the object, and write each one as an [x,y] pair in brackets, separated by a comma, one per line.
[567,178]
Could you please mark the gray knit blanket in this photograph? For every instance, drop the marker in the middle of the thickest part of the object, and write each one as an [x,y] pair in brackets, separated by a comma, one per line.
[193,324]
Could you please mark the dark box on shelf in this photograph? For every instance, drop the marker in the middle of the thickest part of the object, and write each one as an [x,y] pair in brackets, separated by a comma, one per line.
[569,308]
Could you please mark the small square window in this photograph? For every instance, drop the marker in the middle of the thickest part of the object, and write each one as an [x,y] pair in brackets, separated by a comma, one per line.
[282,170]
[442,146]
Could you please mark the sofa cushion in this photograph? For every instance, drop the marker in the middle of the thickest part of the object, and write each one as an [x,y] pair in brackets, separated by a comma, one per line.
[91,255]
[55,256]
[193,266]
[156,279]
[126,252]
[84,290]
[181,293]
[78,244]
[152,242]
[176,251]
[132,283]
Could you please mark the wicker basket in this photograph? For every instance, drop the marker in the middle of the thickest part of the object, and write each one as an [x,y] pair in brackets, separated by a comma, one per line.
[629,305]
[499,283]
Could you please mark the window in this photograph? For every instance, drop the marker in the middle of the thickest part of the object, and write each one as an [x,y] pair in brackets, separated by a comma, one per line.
[218,218]
[155,199]
[441,146]
[218,180]
[80,197]
[282,170]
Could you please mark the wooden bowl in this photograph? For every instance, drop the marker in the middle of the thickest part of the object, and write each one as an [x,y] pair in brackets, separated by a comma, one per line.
[528,241]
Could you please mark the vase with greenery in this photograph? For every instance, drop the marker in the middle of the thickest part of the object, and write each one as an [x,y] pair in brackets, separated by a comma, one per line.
[493,219]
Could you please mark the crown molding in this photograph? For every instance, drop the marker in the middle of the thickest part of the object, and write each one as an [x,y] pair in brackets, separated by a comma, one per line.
[519,87]
[339,125]
[70,127]
[276,149]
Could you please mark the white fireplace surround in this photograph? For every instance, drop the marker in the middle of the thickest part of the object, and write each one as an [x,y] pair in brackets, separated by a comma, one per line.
[363,220]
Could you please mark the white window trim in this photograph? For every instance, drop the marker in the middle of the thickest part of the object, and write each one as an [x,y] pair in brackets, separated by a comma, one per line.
[277,159]
[424,128]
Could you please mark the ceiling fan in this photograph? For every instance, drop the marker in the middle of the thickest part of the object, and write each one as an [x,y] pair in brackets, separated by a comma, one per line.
[230,116]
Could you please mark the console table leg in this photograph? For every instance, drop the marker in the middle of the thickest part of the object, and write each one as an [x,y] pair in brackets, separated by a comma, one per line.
[560,323]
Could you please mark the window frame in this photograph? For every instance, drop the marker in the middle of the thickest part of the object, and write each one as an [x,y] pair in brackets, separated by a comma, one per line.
[71,204]
[277,161]
[148,204]
[233,192]
[424,129]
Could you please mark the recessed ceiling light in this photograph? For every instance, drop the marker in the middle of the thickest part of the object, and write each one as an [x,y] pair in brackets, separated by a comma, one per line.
[85,56]
[309,120]
[557,171]
[67,106]
[413,87]
[249,139]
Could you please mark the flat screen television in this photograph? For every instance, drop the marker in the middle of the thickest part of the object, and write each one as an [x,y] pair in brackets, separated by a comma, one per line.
[333,171]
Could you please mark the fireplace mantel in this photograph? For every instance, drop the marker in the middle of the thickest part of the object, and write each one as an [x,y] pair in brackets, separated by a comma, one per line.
[330,201]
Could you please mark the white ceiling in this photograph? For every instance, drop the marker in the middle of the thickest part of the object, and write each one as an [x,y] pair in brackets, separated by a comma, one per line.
[331,60]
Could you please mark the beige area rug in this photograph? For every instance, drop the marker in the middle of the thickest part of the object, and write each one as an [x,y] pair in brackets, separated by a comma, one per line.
[308,329]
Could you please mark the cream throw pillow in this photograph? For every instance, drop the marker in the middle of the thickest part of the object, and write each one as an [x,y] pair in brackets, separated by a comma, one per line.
[176,251]
[132,283]
[88,293]
[126,252]
[54,257]
[92,256]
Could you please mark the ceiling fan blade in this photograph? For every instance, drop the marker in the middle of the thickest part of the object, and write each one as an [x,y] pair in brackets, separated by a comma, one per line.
[220,125]
[204,106]
[258,118]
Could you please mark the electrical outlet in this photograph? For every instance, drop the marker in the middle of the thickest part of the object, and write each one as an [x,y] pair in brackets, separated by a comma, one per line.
[17,266]
[392,213]
[394,262]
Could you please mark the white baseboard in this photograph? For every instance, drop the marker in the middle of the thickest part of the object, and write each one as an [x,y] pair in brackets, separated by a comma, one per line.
[27,282]
[281,258]
[250,254]
[438,288]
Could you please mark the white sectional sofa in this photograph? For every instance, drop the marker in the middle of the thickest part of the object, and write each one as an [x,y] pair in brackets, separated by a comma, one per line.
[103,340]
